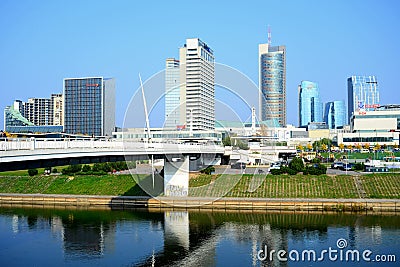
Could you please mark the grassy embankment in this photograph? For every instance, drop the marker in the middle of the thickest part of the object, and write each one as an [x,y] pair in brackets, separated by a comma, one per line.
[260,186]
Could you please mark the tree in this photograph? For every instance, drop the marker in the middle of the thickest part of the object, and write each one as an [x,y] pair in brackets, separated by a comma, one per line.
[208,170]
[324,147]
[320,143]
[349,147]
[242,145]
[377,147]
[316,160]
[297,164]
[366,145]
[301,148]
[341,146]
[358,146]
[309,147]
[33,172]
[227,141]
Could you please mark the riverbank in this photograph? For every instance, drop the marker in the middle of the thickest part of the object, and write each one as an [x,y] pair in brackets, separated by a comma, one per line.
[373,186]
[198,203]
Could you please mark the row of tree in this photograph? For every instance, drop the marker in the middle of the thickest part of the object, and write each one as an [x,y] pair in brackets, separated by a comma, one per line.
[297,165]
[325,144]
[96,169]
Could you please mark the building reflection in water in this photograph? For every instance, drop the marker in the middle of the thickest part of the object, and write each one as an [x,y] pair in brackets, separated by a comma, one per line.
[194,239]
[85,238]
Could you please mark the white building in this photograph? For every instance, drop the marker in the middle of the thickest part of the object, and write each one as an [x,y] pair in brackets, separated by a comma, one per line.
[380,126]
[197,85]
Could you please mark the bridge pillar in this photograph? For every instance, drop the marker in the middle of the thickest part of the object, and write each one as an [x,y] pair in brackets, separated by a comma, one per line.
[176,175]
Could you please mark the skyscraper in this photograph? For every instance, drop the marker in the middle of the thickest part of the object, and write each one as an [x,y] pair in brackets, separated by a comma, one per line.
[172,94]
[197,108]
[89,106]
[310,106]
[335,114]
[272,83]
[363,94]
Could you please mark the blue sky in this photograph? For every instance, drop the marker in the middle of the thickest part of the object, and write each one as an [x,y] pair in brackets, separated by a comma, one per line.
[43,42]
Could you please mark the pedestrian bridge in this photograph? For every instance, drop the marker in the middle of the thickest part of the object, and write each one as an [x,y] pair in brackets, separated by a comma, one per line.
[19,154]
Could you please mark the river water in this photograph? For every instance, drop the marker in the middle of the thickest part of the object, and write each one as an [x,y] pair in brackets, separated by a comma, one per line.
[67,237]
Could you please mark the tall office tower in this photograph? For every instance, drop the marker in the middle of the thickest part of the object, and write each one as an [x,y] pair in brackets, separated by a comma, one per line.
[197,69]
[310,106]
[56,103]
[89,106]
[172,94]
[39,111]
[272,83]
[335,114]
[363,94]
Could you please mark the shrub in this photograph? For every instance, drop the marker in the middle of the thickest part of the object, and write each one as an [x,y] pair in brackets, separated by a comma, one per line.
[297,164]
[316,169]
[131,165]
[277,171]
[33,172]
[96,167]
[75,168]
[359,166]
[54,170]
[106,167]
[291,171]
[208,170]
[66,171]
[316,160]
[122,165]
[86,168]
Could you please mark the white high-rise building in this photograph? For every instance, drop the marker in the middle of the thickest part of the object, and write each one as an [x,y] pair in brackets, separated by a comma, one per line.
[172,94]
[197,92]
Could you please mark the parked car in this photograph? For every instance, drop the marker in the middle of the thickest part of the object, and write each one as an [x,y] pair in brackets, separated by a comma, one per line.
[346,167]
[337,165]
[239,165]
[275,165]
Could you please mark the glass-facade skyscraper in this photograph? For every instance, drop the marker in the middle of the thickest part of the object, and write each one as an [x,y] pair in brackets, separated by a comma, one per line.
[272,83]
[89,106]
[335,114]
[172,94]
[310,106]
[363,94]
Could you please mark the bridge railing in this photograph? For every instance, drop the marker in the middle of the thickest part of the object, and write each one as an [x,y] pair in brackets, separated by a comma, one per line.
[56,143]
[13,144]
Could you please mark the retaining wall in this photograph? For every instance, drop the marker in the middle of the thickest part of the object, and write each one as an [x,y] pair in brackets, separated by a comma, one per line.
[258,204]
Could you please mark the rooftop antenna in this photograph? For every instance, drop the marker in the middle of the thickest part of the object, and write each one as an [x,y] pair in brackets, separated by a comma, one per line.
[145,111]
[269,35]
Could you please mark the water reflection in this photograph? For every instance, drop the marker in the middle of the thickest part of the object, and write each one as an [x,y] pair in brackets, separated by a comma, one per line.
[178,238]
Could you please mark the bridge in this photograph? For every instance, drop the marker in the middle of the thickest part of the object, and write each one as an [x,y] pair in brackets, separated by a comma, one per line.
[25,153]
